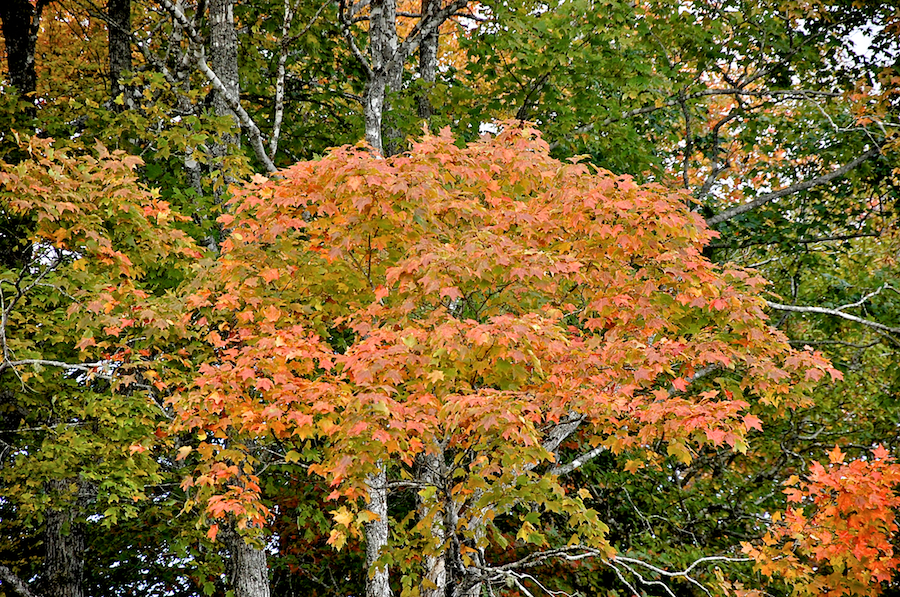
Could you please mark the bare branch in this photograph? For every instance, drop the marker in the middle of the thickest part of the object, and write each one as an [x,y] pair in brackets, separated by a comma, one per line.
[422,29]
[717,167]
[864,298]
[9,577]
[578,462]
[256,137]
[345,21]
[797,241]
[801,94]
[795,188]
[86,367]
[836,313]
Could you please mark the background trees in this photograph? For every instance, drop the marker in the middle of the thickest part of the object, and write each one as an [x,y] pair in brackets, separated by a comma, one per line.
[776,118]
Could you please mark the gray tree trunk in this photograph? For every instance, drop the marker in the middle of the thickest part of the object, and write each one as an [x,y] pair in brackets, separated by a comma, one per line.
[428,47]
[393,64]
[376,84]
[377,581]
[248,567]
[224,61]
[64,542]
[119,28]
[431,471]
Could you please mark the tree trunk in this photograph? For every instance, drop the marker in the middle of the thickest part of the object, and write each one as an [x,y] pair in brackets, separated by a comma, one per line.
[377,581]
[386,76]
[20,21]
[373,110]
[249,568]
[373,95]
[63,544]
[428,47]
[224,62]
[430,471]
[119,28]
[393,66]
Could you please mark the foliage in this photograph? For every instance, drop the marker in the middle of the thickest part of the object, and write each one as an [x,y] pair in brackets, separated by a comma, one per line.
[93,251]
[728,100]
[465,303]
[839,539]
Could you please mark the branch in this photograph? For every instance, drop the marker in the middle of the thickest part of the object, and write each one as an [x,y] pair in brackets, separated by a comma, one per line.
[836,313]
[9,577]
[256,138]
[796,188]
[86,367]
[629,563]
[797,241]
[564,429]
[289,12]
[346,20]
[424,28]
[578,462]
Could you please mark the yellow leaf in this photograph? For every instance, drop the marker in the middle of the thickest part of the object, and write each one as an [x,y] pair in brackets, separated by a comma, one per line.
[342,516]
[633,466]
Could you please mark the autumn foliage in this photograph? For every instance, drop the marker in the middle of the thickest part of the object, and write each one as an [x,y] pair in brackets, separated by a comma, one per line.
[839,538]
[470,304]
[86,253]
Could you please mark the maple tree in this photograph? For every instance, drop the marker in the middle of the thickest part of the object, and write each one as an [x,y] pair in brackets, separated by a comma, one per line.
[446,319]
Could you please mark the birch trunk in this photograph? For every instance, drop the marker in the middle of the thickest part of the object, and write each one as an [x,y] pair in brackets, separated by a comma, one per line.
[377,581]
[373,96]
[431,471]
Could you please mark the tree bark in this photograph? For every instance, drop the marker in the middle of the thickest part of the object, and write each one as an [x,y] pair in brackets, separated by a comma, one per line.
[63,544]
[430,471]
[119,31]
[428,46]
[20,21]
[224,62]
[19,585]
[377,581]
[376,84]
[393,66]
[249,568]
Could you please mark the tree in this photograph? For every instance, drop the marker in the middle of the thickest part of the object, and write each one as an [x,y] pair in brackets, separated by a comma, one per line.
[77,304]
[473,309]
[20,20]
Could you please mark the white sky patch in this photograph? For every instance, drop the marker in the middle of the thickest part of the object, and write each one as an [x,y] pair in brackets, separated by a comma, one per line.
[861,40]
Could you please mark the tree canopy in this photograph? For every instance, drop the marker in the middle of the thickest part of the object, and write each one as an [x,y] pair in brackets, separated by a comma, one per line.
[448,298]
